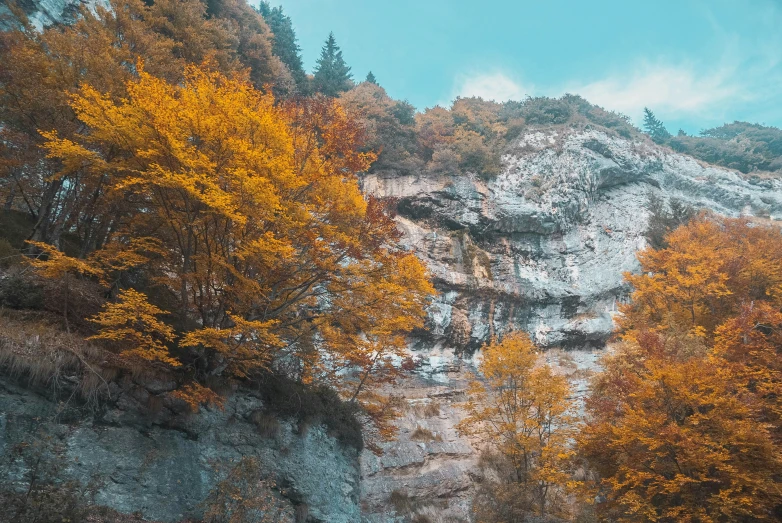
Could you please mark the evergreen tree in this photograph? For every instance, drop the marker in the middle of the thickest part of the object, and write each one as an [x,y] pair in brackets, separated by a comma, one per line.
[284,45]
[654,127]
[332,74]
[371,78]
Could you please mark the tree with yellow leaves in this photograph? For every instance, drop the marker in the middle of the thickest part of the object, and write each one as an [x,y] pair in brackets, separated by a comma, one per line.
[133,324]
[684,422]
[523,411]
[266,249]
[52,263]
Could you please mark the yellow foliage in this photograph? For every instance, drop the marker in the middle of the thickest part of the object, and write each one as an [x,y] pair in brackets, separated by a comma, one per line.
[53,263]
[133,324]
[195,395]
[261,233]
[524,411]
[685,423]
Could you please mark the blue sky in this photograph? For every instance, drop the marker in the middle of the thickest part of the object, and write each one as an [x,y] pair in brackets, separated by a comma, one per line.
[695,63]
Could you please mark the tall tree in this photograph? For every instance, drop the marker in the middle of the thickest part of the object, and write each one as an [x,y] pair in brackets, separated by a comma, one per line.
[269,250]
[332,74]
[654,127]
[371,78]
[684,422]
[523,411]
[284,44]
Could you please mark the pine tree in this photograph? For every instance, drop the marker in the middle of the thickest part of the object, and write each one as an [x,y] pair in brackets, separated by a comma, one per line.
[284,45]
[371,78]
[654,127]
[332,74]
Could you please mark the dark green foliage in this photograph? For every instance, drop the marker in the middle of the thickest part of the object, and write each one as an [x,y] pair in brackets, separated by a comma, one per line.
[16,227]
[371,78]
[389,125]
[654,127]
[404,113]
[740,145]
[664,219]
[284,44]
[543,110]
[311,405]
[332,74]
[18,292]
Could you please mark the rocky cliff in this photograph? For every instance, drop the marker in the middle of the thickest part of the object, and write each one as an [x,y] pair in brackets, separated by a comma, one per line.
[43,13]
[542,247]
[163,463]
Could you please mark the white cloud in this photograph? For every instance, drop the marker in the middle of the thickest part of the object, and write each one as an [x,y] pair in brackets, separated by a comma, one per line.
[743,80]
[496,86]
[667,89]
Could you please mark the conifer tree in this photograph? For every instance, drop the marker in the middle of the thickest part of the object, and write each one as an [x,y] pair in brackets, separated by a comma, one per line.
[654,127]
[332,74]
[371,78]
[284,45]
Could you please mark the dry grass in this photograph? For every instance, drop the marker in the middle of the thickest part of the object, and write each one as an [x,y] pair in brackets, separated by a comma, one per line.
[267,424]
[34,349]
[426,410]
[423,434]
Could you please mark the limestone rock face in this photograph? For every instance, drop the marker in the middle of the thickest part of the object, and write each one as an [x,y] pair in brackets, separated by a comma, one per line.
[541,247]
[164,465]
[43,13]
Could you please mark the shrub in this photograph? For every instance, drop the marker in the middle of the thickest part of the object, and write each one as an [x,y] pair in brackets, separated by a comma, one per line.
[268,425]
[43,494]
[424,434]
[310,405]
[427,410]
[16,227]
[544,110]
[19,292]
[246,496]
[8,254]
[665,218]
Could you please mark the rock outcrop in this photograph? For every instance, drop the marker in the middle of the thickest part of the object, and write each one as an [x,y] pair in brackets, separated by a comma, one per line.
[541,247]
[43,13]
[164,463]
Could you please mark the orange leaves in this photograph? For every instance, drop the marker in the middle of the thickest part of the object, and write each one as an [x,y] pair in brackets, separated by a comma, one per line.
[708,270]
[680,444]
[55,264]
[132,323]
[685,419]
[196,395]
[524,410]
[263,240]
[248,345]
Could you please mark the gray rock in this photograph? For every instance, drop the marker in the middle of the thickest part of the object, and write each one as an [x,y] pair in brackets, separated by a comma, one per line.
[165,468]
[543,248]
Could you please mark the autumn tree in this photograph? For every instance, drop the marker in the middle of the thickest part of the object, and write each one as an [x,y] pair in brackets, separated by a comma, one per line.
[270,253]
[332,74]
[522,411]
[52,263]
[39,71]
[134,324]
[466,138]
[684,421]
[389,126]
